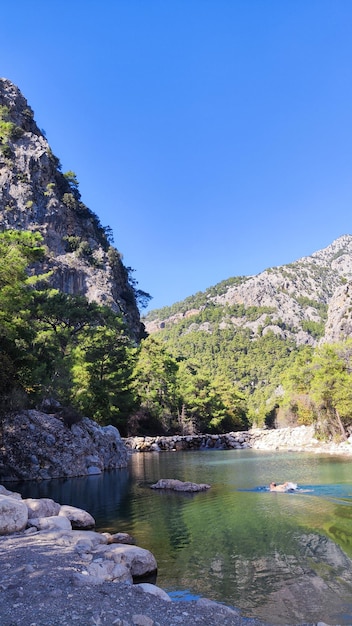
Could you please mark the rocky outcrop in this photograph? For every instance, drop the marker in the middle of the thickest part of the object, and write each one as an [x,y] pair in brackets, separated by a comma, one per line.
[179,485]
[35,195]
[339,323]
[299,439]
[38,446]
[291,297]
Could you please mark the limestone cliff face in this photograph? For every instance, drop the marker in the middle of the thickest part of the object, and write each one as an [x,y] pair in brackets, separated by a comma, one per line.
[35,195]
[339,323]
[295,299]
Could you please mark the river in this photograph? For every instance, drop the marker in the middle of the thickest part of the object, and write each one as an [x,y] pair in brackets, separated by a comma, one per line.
[281,557]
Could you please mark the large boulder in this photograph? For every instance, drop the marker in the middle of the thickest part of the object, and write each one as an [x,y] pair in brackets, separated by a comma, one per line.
[178,485]
[41,507]
[13,515]
[79,518]
[140,562]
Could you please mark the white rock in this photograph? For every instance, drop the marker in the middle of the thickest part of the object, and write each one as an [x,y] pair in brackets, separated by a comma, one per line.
[78,517]
[107,570]
[155,591]
[13,515]
[50,523]
[41,507]
[139,561]
[6,492]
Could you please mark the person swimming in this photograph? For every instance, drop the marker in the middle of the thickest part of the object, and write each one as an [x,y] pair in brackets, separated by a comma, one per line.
[287,486]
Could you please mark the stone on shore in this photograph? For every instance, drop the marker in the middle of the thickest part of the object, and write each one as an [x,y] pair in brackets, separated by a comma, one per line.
[139,561]
[41,507]
[155,591]
[179,485]
[53,522]
[13,515]
[79,518]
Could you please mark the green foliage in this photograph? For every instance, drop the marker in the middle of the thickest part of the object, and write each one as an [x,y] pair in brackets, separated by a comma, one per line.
[69,200]
[205,373]
[155,382]
[57,345]
[321,307]
[8,130]
[196,301]
[318,388]
[102,370]
[72,242]
[316,329]
[17,250]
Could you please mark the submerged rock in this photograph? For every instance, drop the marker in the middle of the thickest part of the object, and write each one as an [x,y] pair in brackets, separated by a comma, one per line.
[178,485]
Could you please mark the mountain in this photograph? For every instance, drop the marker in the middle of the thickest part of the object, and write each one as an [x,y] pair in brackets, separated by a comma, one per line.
[35,195]
[306,301]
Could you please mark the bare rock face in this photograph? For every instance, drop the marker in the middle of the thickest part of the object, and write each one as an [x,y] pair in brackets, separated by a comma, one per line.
[293,298]
[339,323]
[39,446]
[35,195]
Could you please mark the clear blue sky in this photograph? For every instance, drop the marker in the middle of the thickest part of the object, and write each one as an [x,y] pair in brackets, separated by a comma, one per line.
[213,136]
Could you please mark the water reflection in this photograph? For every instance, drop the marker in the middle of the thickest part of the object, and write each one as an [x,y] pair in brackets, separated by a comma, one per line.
[105,496]
[285,558]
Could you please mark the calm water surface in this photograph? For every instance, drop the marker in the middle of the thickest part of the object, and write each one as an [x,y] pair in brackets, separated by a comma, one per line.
[284,558]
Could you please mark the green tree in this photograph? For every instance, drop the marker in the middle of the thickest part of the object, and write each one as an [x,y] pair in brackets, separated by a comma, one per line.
[155,383]
[102,369]
[61,322]
[331,386]
[17,251]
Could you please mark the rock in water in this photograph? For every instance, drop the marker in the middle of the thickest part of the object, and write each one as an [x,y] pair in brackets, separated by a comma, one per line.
[178,485]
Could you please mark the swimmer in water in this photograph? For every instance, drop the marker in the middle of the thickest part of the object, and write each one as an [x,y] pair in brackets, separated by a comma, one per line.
[283,487]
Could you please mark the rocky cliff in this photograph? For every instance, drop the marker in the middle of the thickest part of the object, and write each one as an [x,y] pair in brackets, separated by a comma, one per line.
[40,446]
[308,300]
[36,195]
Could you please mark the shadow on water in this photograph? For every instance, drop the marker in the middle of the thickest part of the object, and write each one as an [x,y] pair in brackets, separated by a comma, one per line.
[284,558]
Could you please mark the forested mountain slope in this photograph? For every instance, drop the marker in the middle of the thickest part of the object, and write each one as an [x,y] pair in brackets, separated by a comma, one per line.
[261,335]
[293,301]
[35,195]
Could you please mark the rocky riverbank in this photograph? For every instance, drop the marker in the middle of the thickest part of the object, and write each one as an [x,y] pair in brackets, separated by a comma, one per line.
[54,575]
[41,446]
[298,439]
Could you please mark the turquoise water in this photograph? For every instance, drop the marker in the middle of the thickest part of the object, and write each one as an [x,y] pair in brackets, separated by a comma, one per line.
[282,557]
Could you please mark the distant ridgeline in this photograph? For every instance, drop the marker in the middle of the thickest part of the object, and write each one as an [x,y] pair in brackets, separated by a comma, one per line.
[253,331]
